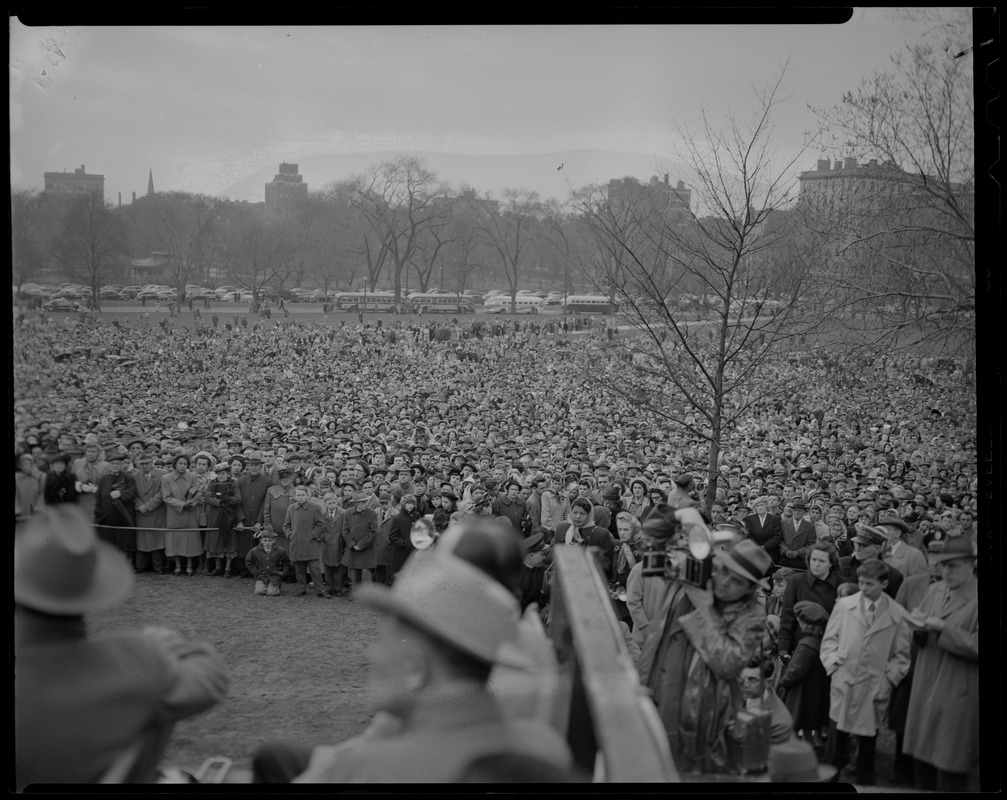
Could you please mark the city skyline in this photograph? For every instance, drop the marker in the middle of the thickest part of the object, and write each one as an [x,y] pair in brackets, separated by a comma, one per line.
[214,110]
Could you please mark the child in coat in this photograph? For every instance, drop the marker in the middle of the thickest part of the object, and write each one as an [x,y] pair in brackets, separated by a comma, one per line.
[266,563]
[804,686]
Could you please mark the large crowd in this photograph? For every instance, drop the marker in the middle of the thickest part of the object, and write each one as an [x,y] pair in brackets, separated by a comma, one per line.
[313,453]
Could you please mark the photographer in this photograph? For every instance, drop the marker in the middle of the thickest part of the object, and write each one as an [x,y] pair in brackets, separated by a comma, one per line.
[723,624]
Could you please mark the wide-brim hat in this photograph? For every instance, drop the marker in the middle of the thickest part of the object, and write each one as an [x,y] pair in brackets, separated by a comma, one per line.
[748,560]
[61,567]
[954,547]
[361,496]
[452,601]
[795,761]
[893,520]
[869,535]
[798,504]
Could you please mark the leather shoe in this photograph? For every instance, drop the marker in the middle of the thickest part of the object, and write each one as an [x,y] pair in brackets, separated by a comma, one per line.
[326,595]
[301,593]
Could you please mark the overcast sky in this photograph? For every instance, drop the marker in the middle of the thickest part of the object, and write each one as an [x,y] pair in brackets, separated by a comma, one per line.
[216,109]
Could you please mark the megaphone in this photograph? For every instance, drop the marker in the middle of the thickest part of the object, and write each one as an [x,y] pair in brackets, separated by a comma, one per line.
[422,534]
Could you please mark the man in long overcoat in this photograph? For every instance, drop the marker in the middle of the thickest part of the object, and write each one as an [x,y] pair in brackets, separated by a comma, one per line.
[765,529]
[305,530]
[942,726]
[865,651]
[253,486]
[151,516]
[113,506]
[359,533]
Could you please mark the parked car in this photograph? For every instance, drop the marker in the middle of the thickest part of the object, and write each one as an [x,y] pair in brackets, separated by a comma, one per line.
[109,293]
[220,291]
[61,304]
[72,293]
[245,296]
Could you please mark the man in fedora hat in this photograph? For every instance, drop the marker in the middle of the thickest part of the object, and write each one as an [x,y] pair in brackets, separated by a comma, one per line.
[942,724]
[868,543]
[901,555]
[696,648]
[359,533]
[447,624]
[79,703]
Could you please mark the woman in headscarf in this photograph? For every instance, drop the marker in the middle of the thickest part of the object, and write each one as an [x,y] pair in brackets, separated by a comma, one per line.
[60,483]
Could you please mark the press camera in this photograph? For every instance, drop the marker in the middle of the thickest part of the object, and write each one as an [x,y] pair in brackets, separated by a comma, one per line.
[681,545]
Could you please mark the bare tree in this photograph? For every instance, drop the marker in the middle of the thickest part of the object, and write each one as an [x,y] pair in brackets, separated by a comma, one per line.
[185,227]
[32,224]
[89,243]
[510,230]
[399,201]
[699,370]
[903,230]
[254,250]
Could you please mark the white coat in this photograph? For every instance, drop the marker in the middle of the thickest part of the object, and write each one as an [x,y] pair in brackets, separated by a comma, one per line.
[864,663]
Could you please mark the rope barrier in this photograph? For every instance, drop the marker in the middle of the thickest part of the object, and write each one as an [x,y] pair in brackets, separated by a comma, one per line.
[142,528]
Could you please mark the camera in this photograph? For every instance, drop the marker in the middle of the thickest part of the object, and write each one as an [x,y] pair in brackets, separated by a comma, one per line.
[680,545]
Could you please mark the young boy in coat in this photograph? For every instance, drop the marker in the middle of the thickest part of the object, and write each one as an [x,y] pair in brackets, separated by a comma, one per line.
[266,562]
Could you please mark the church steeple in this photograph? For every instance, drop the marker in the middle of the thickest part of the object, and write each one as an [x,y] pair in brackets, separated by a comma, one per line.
[150,183]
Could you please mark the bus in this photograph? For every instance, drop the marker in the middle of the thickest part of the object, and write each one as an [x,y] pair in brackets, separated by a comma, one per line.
[589,304]
[365,301]
[437,303]
[523,304]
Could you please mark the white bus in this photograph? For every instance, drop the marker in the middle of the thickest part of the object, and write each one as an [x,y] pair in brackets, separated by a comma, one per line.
[589,304]
[436,303]
[365,301]
[523,304]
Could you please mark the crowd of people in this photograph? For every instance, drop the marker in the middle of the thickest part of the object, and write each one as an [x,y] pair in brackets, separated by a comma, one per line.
[322,455]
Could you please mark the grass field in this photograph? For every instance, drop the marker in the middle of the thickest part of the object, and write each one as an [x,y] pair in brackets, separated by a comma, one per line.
[297,664]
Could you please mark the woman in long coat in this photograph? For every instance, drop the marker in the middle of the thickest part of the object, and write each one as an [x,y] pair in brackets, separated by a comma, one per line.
[204,470]
[224,511]
[180,491]
[942,726]
[818,585]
